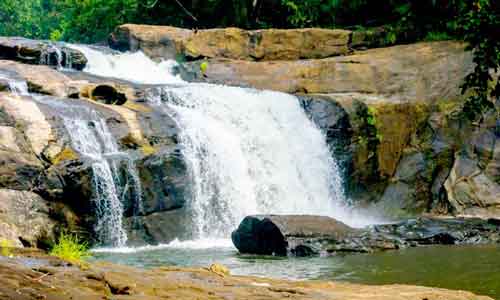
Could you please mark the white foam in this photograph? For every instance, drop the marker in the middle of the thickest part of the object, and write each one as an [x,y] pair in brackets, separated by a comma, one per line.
[199,244]
[135,67]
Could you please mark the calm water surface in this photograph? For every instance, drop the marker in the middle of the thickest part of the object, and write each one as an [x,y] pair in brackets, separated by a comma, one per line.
[476,268]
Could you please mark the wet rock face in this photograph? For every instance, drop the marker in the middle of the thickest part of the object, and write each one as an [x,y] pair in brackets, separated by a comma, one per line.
[38,155]
[316,235]
[40,52]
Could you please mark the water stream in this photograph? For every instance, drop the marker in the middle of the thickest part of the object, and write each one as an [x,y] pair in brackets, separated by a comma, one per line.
[247,151]
[91,138]
[16,86]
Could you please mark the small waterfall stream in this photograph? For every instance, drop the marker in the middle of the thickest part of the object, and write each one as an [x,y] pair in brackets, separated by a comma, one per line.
[17,87]
[91,138]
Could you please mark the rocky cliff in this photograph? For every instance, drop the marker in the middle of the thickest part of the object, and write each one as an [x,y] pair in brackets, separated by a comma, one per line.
[393,117]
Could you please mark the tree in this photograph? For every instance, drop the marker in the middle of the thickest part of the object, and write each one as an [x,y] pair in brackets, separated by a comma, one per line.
[480,28]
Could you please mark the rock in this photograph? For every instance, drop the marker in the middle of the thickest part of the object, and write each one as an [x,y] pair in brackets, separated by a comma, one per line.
[302,235]
[220,270]
[164,42]
[295,234]
[434,69]
[24,218]
[106,280]
[27,114]
[45,80]
[471,191]
[41,52]
[158,228]
[164,182]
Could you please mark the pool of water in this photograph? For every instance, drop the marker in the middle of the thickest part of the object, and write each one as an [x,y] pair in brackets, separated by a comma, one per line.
[473,268]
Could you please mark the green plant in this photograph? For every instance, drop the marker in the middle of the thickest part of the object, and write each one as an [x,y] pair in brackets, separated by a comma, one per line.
[69,247]
[437,36]
[480,22]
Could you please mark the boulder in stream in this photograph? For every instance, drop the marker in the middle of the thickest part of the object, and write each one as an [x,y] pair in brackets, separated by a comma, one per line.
[305,235]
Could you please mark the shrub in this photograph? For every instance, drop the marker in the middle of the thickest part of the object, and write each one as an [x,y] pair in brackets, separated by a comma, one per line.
[70,248]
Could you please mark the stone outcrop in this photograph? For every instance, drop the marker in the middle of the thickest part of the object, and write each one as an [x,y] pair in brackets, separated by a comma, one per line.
[164,42]
[302,235]
[50,278]
[417,72]
[38,156]
[24,219]
[399,155]
[392,117]
[40,52]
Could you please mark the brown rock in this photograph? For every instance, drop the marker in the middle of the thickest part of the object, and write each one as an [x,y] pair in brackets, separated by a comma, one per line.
[41,52]
[418,72]
[164,42]
[24,218]
[105,280]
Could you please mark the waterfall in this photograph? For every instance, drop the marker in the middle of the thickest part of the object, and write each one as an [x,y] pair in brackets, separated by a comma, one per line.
[134,67]
[16,86]
[247,151]
[250,152]
[91,138]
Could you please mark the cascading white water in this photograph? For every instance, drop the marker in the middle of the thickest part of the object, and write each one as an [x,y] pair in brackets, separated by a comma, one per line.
[92,139]
[17,87]
[247,151]
[134,67]
[251,152]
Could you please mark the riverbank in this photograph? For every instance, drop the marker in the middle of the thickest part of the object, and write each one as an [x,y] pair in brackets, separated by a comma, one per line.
[31,274]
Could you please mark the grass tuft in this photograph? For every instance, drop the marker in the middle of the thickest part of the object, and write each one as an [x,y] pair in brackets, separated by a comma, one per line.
[70,248]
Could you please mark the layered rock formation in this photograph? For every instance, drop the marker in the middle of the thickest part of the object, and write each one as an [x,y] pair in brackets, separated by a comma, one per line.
[46,185]
[392,117]
[160,42]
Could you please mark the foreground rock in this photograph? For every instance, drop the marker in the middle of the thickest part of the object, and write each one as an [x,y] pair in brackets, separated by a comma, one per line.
[37,276]
[302,235]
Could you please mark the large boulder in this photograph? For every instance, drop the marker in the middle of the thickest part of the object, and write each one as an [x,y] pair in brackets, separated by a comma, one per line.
[417,72]
[279,235]
[41,52]
[164,42]
[25,219]
[303,235]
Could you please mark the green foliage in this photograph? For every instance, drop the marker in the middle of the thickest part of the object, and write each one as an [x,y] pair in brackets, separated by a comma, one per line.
[70,248]
[437,36]
[480,28]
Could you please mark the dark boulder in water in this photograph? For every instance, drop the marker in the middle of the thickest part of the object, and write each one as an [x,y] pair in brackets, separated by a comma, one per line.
[303,235]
